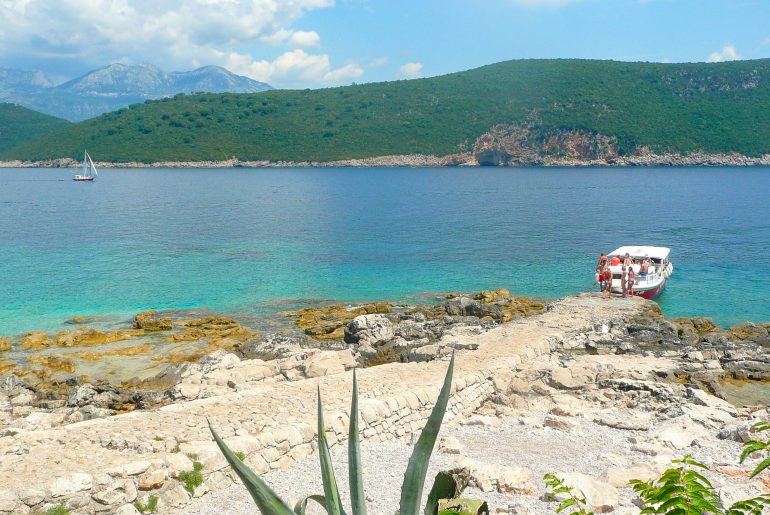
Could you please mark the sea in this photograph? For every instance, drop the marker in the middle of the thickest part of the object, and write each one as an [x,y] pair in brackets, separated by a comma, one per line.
[257,242]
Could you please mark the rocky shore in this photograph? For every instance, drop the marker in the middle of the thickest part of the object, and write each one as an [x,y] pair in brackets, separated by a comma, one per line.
[538,388]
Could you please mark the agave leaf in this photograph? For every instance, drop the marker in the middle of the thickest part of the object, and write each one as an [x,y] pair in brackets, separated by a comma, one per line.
[266,500]
[331,493]
[414,478]
[762,466]
[357,498]
[301,507]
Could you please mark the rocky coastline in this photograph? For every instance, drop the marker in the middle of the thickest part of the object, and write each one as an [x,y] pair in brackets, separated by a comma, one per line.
[644,159]
[583,365]
[514,145]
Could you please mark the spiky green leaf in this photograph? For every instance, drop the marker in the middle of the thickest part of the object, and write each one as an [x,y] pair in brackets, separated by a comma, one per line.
[301,507]
[355,477]
[331,493]
[266,500]
[414,478]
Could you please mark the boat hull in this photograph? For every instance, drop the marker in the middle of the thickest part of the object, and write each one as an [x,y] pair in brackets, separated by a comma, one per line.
[651,293]
[83,179]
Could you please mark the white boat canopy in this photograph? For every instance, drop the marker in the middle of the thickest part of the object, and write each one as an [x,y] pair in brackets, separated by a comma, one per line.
[641,251]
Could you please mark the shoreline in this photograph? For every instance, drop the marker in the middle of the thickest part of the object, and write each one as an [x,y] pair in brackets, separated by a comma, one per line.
[645,159]
[585,366]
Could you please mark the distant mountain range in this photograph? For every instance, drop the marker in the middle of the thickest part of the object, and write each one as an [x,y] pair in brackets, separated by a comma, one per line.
[115,86]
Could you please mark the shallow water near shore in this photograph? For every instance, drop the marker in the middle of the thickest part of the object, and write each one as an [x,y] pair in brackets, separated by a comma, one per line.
[257,242]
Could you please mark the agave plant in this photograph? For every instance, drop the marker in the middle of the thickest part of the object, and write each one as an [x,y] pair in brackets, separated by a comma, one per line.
[269,503]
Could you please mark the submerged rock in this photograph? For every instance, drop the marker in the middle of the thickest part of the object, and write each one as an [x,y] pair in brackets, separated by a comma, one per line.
[5,344]
[215,328]
[150,321]
[35,340]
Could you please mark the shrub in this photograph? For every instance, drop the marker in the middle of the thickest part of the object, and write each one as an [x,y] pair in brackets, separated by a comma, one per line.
[150,507]
[753,446]
[57,510]
[192,478]
[555,486]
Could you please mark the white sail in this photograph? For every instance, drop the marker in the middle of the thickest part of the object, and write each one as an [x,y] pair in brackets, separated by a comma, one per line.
[85,164]
[93,167]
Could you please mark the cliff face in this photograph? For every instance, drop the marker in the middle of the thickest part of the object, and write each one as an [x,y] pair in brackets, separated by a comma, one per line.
[522,145]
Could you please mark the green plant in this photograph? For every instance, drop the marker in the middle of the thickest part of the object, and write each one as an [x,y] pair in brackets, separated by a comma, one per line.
[269,503]
[684,490]
[192,478]
[158,438]
[556,486]
[241,456]
[57,510]
[149,507]
[753,446]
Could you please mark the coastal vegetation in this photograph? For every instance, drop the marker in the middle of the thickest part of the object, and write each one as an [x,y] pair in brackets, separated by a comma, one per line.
[19,124]
[715,107]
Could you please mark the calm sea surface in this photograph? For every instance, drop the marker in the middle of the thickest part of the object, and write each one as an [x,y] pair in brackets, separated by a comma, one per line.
[259,241]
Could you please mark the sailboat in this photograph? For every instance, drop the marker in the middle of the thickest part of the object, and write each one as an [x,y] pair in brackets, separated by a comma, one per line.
[89,170]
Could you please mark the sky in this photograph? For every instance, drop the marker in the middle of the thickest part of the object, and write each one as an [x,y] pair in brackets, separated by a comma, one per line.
[322,43]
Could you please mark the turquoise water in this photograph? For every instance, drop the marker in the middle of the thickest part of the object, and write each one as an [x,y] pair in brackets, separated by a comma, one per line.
[259,241]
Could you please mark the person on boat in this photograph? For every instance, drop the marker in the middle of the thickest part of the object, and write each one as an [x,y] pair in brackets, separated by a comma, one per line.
[645,266]
[627,261]
[608,279]
[630,283]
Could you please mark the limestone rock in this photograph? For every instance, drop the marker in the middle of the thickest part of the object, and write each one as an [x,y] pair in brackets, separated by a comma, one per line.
[328,322]
[5,344]
[369,329]
[558,423]
[680,432]
[71,484]
[600,497]
[449,445]
[150,321]
[481,420]
[324,363]
[35,340]
[153,480]
[8,500]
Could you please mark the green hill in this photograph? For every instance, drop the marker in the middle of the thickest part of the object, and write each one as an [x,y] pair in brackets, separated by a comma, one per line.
[18,124]
[715,107]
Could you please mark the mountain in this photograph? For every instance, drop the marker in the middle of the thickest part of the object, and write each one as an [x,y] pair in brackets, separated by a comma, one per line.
[18,124]
[630,107]
[115,86]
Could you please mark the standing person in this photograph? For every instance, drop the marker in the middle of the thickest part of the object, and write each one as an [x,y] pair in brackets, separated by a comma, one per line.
[630,284]
[608,278]
[624,278]
[600,269]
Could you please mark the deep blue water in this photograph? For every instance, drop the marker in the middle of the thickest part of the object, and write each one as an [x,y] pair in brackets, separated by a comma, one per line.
[255,241]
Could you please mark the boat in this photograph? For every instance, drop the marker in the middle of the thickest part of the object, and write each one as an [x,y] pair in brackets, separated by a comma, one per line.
[89,170]
[647,286]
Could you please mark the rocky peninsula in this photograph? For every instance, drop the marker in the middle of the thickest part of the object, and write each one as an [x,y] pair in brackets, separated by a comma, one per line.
[600,390]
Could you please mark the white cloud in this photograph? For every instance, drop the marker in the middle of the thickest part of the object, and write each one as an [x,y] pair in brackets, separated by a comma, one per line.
[728,53]
[379,62]
[295,68]
[305,39]
[174,34]
[411,70]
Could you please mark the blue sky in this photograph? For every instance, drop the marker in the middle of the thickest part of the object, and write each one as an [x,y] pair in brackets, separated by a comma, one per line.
[317,43]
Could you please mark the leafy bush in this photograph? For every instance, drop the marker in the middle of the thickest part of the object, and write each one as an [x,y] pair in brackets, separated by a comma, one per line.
[684,490]
[269,503]
[57,510]
[753,446]
[150,507]
[192,478]
[555,487]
